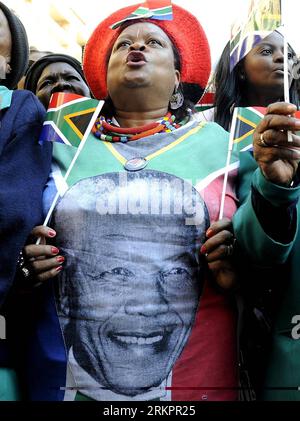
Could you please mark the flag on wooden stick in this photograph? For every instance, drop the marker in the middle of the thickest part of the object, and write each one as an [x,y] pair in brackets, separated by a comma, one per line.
[67,118]
[264,16]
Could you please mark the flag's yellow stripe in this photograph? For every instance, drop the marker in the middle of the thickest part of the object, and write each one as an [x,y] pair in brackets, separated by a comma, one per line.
[176,142]
[115,153]
[245,120]
[120,158]
[70,122]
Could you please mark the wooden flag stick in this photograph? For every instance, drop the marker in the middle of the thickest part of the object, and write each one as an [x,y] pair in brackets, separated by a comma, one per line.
[229,152]
[285,61]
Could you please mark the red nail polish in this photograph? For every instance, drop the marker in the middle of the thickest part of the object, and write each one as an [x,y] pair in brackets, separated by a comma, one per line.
[209,233]
[203,250]
[51,233]
[60,259]
[54,250]
[59,268]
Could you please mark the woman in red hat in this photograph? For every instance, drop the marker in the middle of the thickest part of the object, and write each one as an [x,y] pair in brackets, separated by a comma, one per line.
[131,225]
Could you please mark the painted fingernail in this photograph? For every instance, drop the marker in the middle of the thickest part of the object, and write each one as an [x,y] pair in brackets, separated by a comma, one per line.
[51,233]
[54,250]
[59,268]
[203,250]
[60,259]
[209,232]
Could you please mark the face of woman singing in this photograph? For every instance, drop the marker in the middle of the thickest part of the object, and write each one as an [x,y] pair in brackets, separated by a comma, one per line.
[60,77]
[263,65]
[142,58]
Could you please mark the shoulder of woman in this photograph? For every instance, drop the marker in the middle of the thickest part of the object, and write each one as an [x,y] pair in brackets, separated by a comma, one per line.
[27,108]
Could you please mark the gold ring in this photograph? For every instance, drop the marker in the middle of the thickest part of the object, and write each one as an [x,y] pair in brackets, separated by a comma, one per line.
[262,140]
[230,247]
[229,250]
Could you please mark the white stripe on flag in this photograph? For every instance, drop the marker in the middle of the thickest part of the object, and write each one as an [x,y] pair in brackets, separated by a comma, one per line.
[211,177]
[75,101]
[56,129]
[60,183]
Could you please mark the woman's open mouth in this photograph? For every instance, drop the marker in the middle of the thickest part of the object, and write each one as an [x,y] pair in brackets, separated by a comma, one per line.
[135,59]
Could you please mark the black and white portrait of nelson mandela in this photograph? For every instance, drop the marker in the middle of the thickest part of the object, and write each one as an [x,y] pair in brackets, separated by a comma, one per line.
[128,295]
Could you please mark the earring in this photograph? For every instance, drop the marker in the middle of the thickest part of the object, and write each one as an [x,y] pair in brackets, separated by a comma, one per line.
[3,68]
[8,68]
[242,76]
[176,100]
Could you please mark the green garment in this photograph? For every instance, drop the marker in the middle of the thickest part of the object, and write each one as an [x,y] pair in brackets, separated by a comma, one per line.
[283,370]
[164,152]
[5,97]
[9,390]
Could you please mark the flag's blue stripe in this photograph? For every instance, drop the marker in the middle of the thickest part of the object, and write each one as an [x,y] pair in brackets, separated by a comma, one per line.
[168,16]
[48,134]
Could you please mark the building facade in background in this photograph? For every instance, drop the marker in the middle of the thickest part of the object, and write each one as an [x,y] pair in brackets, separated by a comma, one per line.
[53,25]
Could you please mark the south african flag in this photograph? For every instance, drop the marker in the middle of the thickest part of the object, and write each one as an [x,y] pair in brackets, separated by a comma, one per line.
[67,118]
[154,9]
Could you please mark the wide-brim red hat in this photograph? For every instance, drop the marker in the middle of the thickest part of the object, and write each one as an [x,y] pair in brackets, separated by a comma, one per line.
[185,32]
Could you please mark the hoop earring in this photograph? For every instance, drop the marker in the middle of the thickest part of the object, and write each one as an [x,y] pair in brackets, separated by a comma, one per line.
[176,100]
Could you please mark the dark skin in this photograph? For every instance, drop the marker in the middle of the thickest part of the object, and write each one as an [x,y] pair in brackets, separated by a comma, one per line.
[141,85]
[60,77]
[263,71]
[215,248]
[279,159]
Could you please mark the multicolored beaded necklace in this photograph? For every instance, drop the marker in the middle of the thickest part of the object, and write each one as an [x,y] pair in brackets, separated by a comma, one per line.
[106,130]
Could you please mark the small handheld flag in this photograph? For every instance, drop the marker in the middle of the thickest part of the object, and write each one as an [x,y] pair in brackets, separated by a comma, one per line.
[67,118]
[244,121]
[264,17]
[57,100]
[247,119]
[151,9]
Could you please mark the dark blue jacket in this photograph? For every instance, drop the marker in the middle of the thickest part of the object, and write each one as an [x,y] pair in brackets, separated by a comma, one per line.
[24,168]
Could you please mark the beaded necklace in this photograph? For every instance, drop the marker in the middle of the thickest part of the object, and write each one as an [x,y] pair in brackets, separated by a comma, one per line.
[106,130]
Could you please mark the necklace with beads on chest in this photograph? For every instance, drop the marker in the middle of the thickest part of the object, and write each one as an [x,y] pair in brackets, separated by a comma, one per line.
[109,132]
